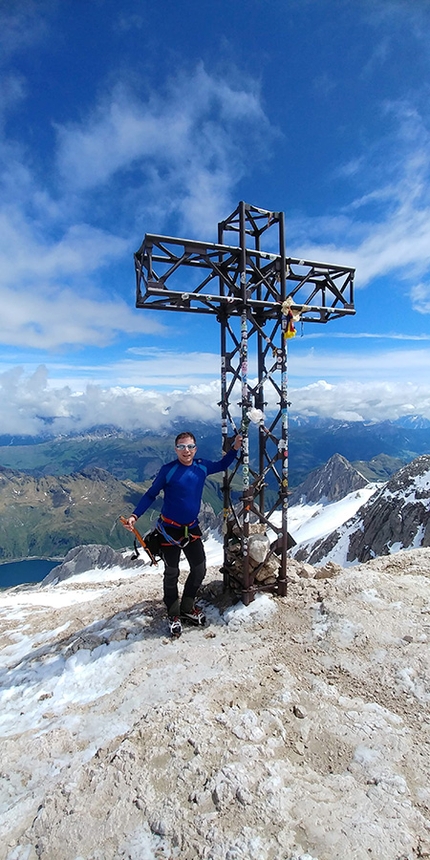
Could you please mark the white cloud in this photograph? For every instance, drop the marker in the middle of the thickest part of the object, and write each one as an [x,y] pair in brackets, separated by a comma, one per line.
[398,244]
[186,142]
[28,255]
[392,236]
[57,317]
[369,335]
[185,148]
[400,364]
[163,367]
[31,404]
[178,153]
[49,289]
[367,401]
[50,271]
[12,91]
[420,295]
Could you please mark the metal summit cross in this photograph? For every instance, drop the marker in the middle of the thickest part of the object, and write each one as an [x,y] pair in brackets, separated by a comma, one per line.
[256,295]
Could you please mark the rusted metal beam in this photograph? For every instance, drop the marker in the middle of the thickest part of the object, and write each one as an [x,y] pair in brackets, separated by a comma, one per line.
[252,292]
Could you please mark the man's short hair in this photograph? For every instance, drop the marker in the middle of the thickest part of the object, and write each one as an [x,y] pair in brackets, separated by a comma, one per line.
[183,435]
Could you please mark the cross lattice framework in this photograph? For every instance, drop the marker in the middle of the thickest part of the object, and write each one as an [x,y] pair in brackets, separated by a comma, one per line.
[254,294]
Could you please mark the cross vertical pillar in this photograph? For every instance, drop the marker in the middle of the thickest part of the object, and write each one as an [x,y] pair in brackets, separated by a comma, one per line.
[254,294]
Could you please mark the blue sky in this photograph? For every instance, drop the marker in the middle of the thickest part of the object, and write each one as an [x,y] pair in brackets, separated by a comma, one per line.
[120,118]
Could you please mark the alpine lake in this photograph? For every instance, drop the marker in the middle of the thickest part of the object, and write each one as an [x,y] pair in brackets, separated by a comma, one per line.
[28,570]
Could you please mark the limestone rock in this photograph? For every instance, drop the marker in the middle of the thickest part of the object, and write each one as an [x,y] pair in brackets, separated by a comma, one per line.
[82,558]
[328,571]
[330,483]
[258,547]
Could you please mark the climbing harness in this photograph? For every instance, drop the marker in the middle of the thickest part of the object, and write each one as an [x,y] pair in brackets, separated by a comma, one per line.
[184,540]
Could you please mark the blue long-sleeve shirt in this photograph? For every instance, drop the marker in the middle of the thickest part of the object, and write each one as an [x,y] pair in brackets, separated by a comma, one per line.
[183,488]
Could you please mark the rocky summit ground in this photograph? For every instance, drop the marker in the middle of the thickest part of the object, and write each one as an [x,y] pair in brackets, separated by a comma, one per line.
[296,727]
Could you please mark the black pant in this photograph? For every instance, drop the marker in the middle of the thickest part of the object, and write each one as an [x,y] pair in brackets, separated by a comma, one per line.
[195,555]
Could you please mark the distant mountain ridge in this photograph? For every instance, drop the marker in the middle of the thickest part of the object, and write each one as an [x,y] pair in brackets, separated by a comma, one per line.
[136,456]
[46,516]
[313,442]
[57,494]
[329,484]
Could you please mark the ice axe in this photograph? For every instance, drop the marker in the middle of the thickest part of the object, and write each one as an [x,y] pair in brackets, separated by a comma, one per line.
[139,537]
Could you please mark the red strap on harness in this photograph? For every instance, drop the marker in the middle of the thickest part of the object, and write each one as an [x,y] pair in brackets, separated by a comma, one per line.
[173,523]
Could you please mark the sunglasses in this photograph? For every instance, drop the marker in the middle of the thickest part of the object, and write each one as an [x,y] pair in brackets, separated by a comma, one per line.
[183,447]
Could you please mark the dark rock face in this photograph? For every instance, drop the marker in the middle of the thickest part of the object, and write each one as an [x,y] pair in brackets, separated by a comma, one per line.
[396,517]
[208,519]
[329,483]
[399,514]
[319,550]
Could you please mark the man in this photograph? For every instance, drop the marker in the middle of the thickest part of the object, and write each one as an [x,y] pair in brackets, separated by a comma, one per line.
[182,481]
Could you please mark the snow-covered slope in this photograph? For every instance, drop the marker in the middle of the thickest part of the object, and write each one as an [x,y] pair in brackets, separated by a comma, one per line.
[292,728]
[310,522]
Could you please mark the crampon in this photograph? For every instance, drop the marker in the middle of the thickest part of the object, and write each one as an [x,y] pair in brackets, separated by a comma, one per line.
[196,617]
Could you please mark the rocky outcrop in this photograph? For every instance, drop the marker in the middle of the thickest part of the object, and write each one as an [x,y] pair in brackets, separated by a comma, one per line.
[396,517]
[399,516]
[83,558]
[275,733]
[331,482]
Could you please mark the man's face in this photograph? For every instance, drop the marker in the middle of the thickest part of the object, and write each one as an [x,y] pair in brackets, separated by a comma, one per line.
[186,455]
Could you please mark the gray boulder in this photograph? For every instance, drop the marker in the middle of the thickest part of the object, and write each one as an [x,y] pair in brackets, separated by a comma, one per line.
[82,558]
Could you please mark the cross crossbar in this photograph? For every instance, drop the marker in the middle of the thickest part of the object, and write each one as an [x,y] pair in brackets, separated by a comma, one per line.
[248,289]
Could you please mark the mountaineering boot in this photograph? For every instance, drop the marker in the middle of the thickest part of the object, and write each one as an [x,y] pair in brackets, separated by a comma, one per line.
[195,616]
[175,626]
